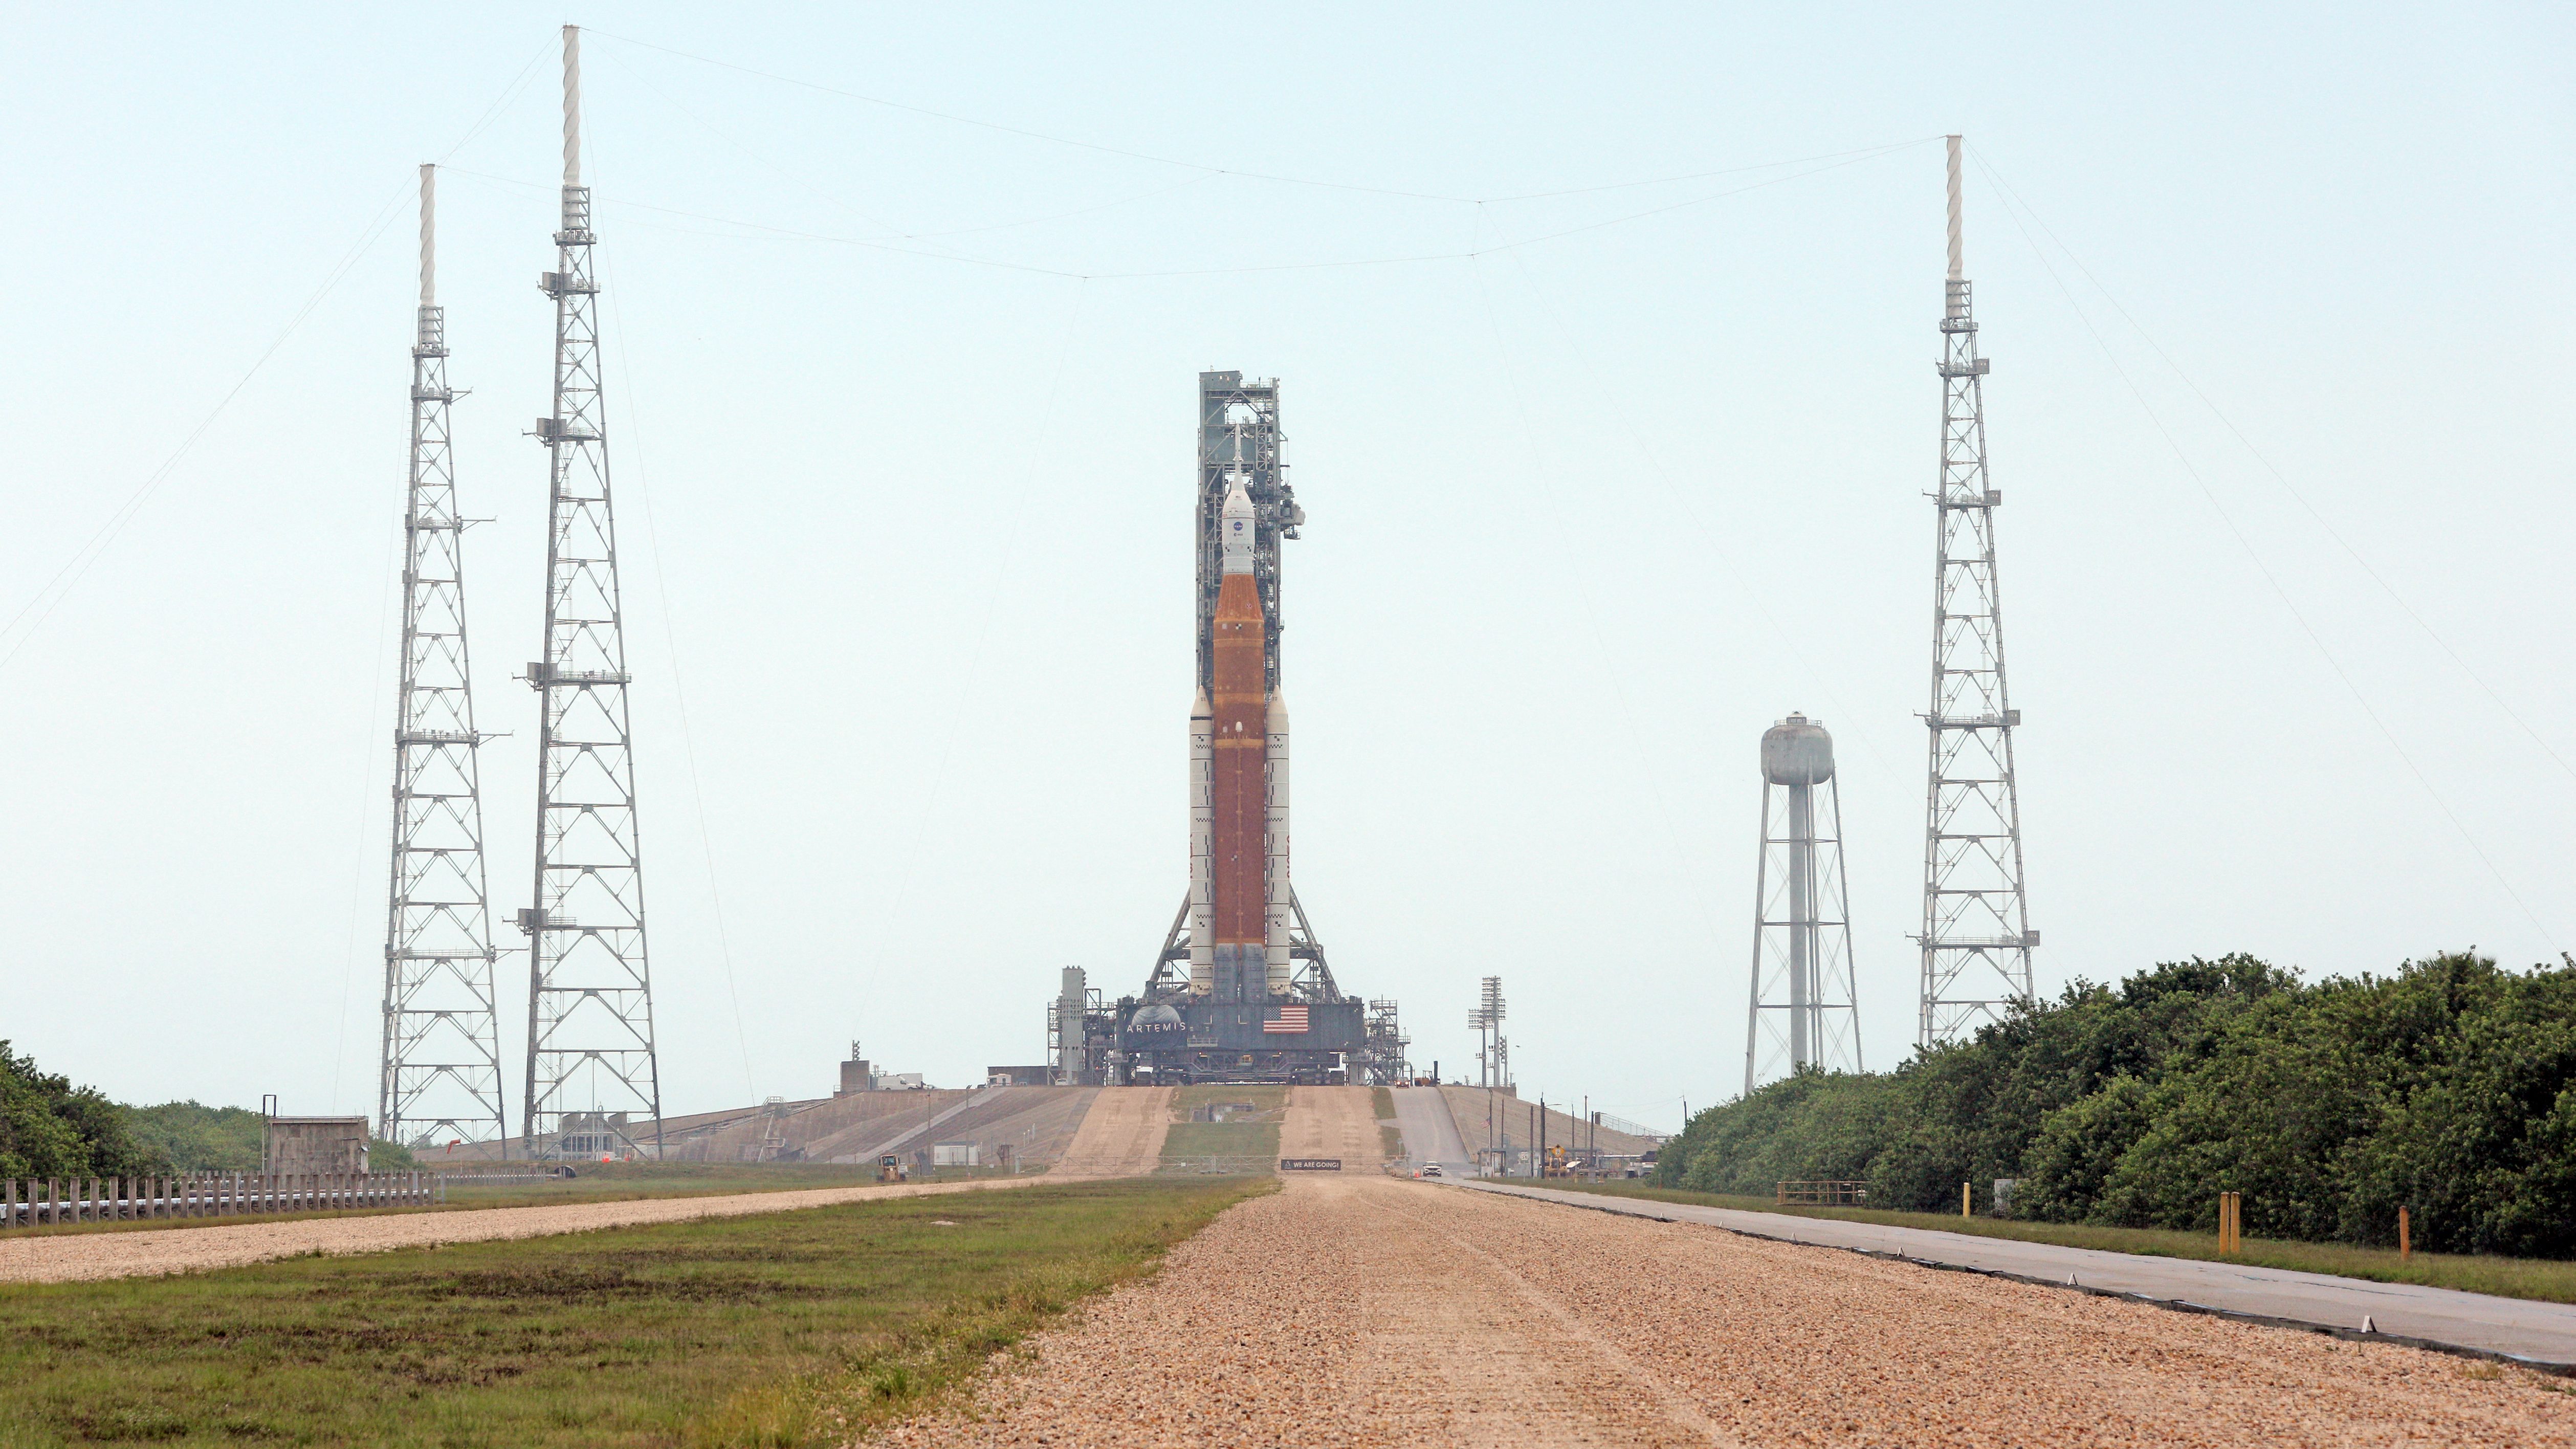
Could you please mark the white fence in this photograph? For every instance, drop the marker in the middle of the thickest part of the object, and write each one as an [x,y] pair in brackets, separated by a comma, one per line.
[42,1202]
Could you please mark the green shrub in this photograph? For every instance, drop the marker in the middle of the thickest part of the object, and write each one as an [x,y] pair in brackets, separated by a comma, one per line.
[49,1128]
[193,1137]
[2448,1089]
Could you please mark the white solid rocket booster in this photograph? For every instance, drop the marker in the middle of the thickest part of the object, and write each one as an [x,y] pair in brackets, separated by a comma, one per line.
[1275,867]
[1202,846]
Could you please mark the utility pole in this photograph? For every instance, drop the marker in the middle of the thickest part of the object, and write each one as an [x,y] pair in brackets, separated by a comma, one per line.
[442,1046]
[591,1062]
[1976,937]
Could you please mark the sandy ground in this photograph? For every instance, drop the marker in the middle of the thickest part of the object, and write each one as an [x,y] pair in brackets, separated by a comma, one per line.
[1121,1136]
[1363,1310]
[56,1259]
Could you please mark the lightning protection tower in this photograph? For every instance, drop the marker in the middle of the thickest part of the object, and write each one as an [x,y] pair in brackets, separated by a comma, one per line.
[1806,1001]
[1976,937]
[591,1064]
[442,1050]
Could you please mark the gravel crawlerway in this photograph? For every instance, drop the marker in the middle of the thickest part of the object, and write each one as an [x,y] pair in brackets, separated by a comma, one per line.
[1121,1136]
[56,1259]
[1360,1310]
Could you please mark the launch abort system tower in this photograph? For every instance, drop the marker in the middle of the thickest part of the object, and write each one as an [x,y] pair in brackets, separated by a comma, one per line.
[1241,990]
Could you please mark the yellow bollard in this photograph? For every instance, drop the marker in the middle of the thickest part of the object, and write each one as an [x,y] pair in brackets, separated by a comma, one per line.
[2405,1247]
[1963,1200]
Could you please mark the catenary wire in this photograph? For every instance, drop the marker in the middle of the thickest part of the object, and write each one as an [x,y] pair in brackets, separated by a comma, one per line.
[50,596]
[1071,274]
[2279,591]
[2261,458]
[679,692]
[366,811]
[1541,474]
[992,593]
[892,232]
[1201,166]
[1716,538]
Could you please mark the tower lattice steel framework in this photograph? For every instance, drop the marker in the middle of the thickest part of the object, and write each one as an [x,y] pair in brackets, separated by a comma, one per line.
[1976,937]
[591,1063]
[441,1076]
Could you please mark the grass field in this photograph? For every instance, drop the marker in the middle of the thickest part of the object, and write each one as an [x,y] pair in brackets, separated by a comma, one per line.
[1268,1101]
[1199,1141]
[613,1182]
[2536,1278]
[1235,1145]
[781,1330]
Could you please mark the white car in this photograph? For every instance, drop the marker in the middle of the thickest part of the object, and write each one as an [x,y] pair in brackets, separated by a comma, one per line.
[1431,1169]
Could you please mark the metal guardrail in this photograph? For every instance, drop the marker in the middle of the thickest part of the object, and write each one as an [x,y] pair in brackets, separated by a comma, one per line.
[1823,1194]
[43,1202]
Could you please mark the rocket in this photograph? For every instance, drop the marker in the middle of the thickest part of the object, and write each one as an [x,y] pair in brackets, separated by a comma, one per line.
[1239,893]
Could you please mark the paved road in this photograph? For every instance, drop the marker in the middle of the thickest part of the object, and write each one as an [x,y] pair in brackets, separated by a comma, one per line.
[2541,1332]
[1430,1131]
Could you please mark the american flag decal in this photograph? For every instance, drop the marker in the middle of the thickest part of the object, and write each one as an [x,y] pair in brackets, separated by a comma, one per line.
[1290,1019]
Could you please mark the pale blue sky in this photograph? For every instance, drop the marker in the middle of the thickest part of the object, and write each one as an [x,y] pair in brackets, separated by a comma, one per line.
[1587,512]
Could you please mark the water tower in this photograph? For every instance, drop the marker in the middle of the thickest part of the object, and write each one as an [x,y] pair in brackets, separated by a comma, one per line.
[1805,1004]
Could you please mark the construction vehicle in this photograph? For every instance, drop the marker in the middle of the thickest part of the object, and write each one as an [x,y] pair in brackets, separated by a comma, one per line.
[890,1169]
[1556,1164]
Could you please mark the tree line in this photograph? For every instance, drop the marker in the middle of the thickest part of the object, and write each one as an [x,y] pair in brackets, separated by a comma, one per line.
[2448,1089]
[51,1128]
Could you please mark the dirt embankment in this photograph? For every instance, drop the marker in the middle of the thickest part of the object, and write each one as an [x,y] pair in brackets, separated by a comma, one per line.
[1121,1136]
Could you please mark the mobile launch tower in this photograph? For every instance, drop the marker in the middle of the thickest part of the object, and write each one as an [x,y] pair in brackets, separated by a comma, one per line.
[1241,989]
